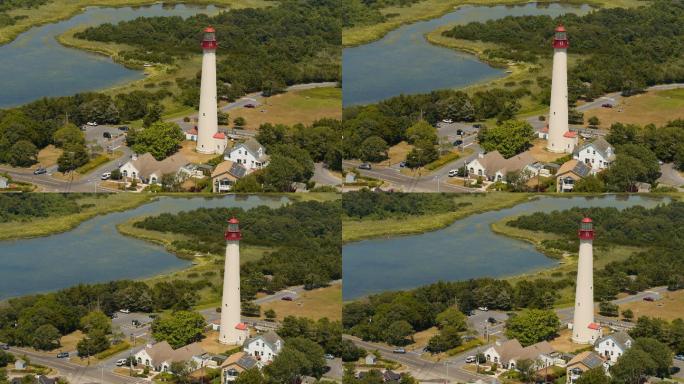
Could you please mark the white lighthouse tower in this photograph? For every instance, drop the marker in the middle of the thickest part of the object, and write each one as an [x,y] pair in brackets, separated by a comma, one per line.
[584,329]
[560,139]
[209,139]
[233,331]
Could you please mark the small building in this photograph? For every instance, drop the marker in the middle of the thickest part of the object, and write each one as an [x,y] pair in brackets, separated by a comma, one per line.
[20,365]
[543,133]
[494,167]
[570,173]
[641,187]
[264,347]
[581,363]
[235,364]
[225,175]
[160,355]
[598,154]
[148,170]
[249,154]
[4,182]
[191,135]
[371,359]
[613,346]
[350,178]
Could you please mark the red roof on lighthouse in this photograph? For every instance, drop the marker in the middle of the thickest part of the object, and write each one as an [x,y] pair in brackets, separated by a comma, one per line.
[219,135]
[209,29]
[241,326]
[586,220]
[594,326]
[570,134]
[560,28]
[233,220]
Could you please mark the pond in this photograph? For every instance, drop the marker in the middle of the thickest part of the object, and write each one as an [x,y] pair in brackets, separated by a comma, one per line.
[95,251]
[404,62]
[35,65]
[466,249]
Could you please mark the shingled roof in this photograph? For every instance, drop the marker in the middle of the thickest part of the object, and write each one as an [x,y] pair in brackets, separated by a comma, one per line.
[589,359]
[575,166]
[600,145]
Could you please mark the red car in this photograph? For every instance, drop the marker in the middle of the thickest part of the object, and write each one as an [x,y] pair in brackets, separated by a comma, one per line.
[287,298]
[648,298]
[250,106]
[607,105]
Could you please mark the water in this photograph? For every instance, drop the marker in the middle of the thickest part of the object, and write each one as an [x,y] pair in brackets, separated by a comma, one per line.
[96,252]
[35,65]
[403,62]
[466,249]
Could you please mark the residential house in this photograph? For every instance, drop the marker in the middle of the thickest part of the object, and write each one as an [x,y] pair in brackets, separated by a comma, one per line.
[264,347]
[148,170]
[250,154]
[225,175]
[581,363]
[160,355]
[494,167]
[196,171]
[598,154]
[613,346]
[235,364]
[509,353]
[19,365]
[570,173]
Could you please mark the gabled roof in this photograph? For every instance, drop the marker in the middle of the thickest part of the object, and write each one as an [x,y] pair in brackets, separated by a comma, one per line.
[147,165]
[589,359]
[241,359]
[509,350]
[570,134]
[600,145]
[575,166]
[494,162]
[162,351]
[533,351]
[253,147]
[270,337]
[619,338]
[219,135]
[234,169]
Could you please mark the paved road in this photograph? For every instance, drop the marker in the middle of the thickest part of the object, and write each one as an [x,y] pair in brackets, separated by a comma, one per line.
[322,176]
[670,176]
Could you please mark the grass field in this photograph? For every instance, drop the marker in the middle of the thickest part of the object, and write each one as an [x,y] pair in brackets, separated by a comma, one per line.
[669,307]
[103,203]
[48,156]
[57,10]
[657,107]
[355,230]
[302,106]
[430,9]
[314,304]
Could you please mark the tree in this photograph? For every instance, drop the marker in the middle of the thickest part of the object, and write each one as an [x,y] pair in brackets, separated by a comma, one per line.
[153,115]
[594,376]
[659,352]
[73,156]
[96,321]
[6,358]
[179,329]
[160,139]
[182,370]
[350,352]
[398,332]
[633,366]
[527,370]
[95,342]
[594,122]
[591,183]
[248,184]
[452,317]
[509,138]
[287,366]
[421,131]
[374,149]
[240,122]
[23,154]
[116,174]
[606,308]
[68,134]
[223,118]
[270,314]
[458,107]
[447,339]
[628,314]
[424,152]
[251,376]
[46,337]
[532,326]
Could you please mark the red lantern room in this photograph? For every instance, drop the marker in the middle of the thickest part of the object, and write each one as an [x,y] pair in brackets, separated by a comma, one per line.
[586,231]
[209,40]
[560,39]
[233,231]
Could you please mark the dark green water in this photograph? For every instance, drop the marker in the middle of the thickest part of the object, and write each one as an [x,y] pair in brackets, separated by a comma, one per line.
[96,252]
[403,62]
[466,249]
[35,65]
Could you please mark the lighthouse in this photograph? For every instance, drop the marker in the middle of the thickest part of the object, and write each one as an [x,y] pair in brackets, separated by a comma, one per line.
[584,329]
[209,139]
[560,139]
[233,331]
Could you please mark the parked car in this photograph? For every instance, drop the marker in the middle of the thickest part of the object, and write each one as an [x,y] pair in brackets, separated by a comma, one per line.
[107,135]
[106,176]
[63,355]
[135,322]
[114,315]
[477,126]
[402,164]
[458,142]
[607,105]
[492,320]
[365,166]
[470,359]
[459,132]
[92,123]
[4,347]
[124,311]
[250,106]
[123,128]
[679,357]
[40,171]
[287,298]
[398,350]
[121,362]
[453,173]
[649,298]
[448,121]
[483,309]
[329,356]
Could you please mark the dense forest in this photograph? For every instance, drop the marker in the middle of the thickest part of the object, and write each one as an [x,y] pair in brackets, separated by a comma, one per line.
[9,5]
[259,49]
[306,237]
[622,49]
[27,206]
[365,204]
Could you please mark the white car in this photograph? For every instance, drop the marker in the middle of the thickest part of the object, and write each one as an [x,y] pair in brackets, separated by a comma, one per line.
[470,359]
[124,311]
[121,362]
[92,123]
[106,176]
[448,121]
[453,172]
[483,309]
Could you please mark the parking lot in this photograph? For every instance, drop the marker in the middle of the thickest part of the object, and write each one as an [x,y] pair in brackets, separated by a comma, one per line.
[96,135]
[479,320]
